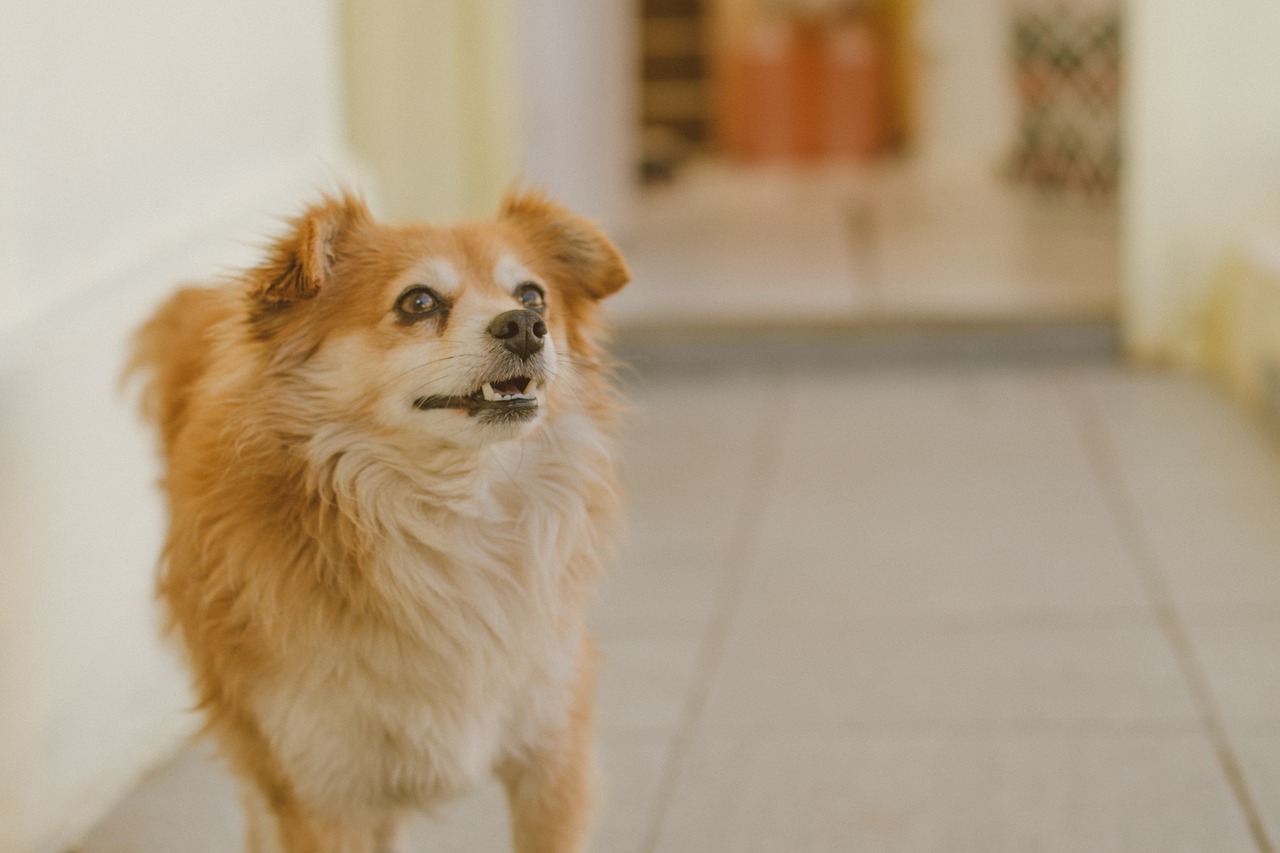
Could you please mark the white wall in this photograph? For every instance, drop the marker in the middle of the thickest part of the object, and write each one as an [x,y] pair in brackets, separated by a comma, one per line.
[141,141]
[454,101]
[579,77]
[431,99]
[1202,158]
[966,99]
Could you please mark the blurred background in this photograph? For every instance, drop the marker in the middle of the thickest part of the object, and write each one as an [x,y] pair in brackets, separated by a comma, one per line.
[1094,174]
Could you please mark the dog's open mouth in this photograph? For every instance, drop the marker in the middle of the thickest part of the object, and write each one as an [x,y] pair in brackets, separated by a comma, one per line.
[517,394]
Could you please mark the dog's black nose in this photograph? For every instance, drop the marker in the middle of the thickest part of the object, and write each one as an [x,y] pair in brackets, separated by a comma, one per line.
[521,331]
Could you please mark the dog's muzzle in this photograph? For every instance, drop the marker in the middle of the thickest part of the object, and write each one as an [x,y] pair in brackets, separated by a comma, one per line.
[518,394]
[515,391]
[521,332]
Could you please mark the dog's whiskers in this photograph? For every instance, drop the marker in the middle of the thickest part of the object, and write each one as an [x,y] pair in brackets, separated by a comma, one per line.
[433,363]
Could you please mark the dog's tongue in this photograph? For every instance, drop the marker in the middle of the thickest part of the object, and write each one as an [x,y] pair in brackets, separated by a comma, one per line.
[511,386]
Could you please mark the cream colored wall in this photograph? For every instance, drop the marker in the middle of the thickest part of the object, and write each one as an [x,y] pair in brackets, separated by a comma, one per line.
[578,95]
[454,101]
[966,107]
[142,142]
[1243,339]
[1202,159]
[430,94]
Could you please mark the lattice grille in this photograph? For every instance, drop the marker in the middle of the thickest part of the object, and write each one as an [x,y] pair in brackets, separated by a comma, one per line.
[1067,63]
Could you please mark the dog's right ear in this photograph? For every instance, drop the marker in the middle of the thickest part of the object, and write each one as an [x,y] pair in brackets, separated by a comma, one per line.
[298,264]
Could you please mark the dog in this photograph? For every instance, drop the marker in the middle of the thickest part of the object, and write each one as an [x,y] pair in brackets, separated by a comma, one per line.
[391,484]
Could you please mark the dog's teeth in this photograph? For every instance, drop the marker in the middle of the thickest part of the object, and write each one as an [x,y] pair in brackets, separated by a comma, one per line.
[494,396]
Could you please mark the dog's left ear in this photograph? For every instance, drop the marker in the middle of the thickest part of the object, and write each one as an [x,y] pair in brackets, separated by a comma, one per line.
[299,264]
[586,257]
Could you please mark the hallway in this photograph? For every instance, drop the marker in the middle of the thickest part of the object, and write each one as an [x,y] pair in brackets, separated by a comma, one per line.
[917,562]
[902,241]
[956,601]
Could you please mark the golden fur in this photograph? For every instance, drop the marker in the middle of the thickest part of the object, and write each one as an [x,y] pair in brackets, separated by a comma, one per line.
[382,601]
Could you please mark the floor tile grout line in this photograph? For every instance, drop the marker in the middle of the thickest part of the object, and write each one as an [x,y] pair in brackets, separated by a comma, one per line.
[1133,531]
[764,453]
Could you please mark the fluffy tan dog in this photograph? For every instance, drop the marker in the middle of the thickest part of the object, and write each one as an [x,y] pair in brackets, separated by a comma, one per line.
[390,482]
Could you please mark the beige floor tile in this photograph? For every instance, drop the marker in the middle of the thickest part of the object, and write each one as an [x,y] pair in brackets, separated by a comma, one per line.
[964,245]
[187,805]
[821,792]
[719,249]
[658,587]
[955,496]
[686,450]
[1205,480]
[644,680]
[1241,663]
[475,824]
[632,766]
[728,244]
[1258,748]
[831,674]
[687,464]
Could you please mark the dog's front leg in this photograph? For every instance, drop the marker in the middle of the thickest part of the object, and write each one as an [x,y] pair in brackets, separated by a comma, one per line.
[551,791]
[284,828]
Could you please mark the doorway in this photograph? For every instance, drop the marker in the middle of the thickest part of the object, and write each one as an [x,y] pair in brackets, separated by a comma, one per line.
[856,162]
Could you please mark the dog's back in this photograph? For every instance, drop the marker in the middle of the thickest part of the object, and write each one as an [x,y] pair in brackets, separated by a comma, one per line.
[174,350]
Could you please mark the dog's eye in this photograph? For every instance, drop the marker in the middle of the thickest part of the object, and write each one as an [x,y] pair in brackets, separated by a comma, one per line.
[418,302]
[531,296]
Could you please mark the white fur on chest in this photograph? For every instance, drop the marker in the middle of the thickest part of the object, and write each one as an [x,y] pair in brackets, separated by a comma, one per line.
[476,655]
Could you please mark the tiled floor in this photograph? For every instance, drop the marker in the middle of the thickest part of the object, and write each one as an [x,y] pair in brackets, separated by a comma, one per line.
[936,606]
[970,595]
[900,242]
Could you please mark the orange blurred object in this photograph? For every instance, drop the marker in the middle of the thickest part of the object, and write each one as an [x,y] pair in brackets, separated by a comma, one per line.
[806,91]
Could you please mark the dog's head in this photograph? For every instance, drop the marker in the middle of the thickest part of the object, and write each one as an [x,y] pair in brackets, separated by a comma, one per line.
[464,333]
